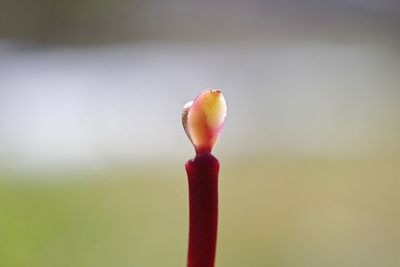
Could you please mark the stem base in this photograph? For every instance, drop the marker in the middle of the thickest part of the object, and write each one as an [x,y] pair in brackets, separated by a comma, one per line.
[202,174]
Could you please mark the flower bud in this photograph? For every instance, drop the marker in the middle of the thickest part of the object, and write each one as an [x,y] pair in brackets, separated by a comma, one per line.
[203,119]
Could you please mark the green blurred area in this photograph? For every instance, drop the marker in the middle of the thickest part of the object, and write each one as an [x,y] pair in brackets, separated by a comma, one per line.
[273,212]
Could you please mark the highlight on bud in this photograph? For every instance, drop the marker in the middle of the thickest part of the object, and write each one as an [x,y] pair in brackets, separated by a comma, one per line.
[203,119]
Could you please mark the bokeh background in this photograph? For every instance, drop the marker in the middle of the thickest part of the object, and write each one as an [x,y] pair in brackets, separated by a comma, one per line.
[92,149]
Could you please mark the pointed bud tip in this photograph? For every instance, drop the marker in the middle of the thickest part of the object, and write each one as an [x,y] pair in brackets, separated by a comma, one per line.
[203,119]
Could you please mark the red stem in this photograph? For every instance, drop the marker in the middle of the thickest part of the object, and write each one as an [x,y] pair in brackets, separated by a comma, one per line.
[202,174]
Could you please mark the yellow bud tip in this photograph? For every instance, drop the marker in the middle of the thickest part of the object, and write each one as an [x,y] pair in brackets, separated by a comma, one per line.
[203,119]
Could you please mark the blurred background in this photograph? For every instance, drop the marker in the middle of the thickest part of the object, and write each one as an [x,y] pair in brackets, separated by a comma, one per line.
[92,150]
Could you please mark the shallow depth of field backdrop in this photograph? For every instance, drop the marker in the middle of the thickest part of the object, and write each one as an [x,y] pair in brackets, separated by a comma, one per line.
[92,149]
